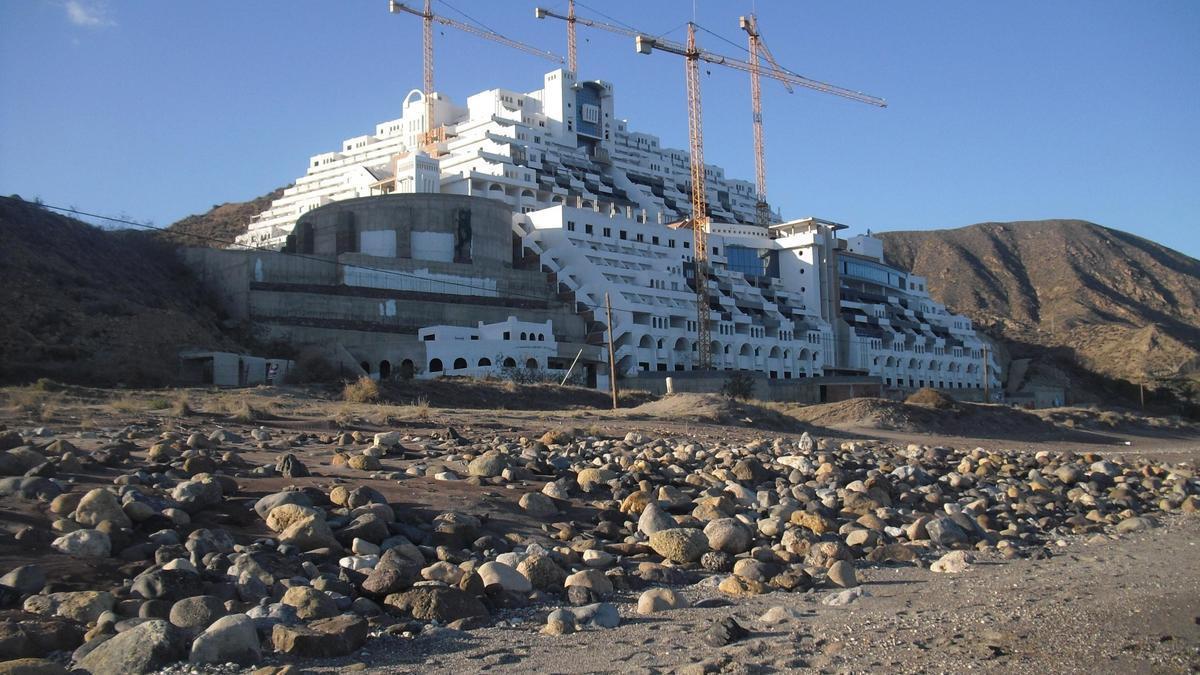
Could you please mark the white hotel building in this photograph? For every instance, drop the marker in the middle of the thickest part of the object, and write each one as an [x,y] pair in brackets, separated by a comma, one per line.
[594,202]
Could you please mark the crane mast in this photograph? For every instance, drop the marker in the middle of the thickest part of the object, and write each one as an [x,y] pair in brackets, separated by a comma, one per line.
[699,203]
[433,136]
[762,211]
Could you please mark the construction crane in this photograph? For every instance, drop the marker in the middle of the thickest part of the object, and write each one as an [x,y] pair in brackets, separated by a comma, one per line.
[433,136]
[762,210]
[693,55]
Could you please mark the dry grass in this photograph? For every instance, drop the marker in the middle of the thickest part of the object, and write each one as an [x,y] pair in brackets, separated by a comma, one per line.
[182,406]
[362,390]
[417,410]
[242,411]
[126,404]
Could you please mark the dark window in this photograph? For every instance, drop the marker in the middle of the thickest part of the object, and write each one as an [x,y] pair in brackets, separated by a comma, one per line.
[435,366]
[460,363]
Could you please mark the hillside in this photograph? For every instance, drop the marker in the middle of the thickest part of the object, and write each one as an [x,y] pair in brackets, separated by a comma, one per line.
[221,223]
[86,305]
[1069,293]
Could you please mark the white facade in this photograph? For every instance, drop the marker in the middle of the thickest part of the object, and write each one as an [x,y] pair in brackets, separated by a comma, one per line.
[561,144]
[487,349]
[593,199]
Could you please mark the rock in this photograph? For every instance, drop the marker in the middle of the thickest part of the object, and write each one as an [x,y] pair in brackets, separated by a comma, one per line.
[945,532]
[231,638]
[538,505]
[654,518]
[264,506]
[660,600]
[824,554]
[953,562]
[680,544]
[841,573]
[794,579]
[198,494]
[560,622]
[163,584]
[284,516]
[198,611]
[843,598]
[597,615]
[778,615]
[892,553]
[388,578]
[364,463]
[729,535]
[146,647]
[310,603]
[82,606]
[336,636]
[290,467]
[740,587]
[593,580]
[717,561]
[26,579]
[1135,524]
[543,573]
[308,533]
[816,522]
[38,636]
[32,667]
[84,544]
[590,477]
[507,577]
[723,632]
[597,558]
[99,505]
[434,602]
[488,465]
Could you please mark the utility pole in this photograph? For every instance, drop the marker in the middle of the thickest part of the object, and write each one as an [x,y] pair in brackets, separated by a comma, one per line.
[1142,393]
[612,363]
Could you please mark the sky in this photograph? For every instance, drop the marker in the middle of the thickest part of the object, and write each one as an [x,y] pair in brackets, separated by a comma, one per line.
[1018,110]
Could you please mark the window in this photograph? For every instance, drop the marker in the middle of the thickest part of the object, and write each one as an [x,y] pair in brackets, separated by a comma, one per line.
[587,228]
[570,226]
[608,232]
[624,235]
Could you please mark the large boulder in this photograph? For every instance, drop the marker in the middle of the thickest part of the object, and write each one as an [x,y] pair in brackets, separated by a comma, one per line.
[437,602]
[309,602]
[729,535]
[488,465]
[230,639]
[336,636]
[144,648]
[84,544]
[99,505]
[680,544]
[309,533]
[507,577]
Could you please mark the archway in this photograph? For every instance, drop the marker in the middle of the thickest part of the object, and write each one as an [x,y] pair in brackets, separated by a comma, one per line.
[531,364]
[407,369]
[460,363]
[485,362]
[385,369]
[510,362]
[435,365]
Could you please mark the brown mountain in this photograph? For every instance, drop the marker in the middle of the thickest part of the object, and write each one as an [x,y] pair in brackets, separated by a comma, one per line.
[1069,294]
[222,223]
[87,305]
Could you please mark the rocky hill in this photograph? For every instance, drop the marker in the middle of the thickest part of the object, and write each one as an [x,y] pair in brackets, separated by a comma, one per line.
[222,223]
[1076,297]
[92,306]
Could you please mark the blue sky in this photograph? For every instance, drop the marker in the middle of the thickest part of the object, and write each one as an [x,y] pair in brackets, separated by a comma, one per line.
[997,111]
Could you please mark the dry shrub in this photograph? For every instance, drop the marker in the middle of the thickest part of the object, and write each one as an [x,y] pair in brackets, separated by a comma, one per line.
[362,390]
[930,398]
[182,407]
[157,403]
[242,411]
[125,404]
[559,436]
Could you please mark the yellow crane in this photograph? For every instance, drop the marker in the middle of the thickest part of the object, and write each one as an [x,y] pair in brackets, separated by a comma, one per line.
[432,136]
[693,55]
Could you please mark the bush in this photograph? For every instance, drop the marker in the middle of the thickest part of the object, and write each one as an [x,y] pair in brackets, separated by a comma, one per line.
[362,390]
[739,385]
[312,368]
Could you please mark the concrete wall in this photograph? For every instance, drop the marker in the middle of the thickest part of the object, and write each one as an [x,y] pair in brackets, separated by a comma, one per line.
[803,390]
[480,229]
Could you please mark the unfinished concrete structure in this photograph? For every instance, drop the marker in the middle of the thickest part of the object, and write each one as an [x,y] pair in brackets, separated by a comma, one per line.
[368,274]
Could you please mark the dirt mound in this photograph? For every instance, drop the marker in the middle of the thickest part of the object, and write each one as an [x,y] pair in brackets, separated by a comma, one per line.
[931,398]
[962,419]
[85,305]
[714,409]
[222,223]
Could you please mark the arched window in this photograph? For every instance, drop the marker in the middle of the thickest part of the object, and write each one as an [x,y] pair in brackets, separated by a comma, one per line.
[485,362]
[460,363]
[385,369]
[510,362]
[531,364]
[435,366]
[541,337]
[524,336]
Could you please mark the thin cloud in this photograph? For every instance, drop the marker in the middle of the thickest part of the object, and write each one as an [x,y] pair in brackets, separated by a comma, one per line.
[89,13]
